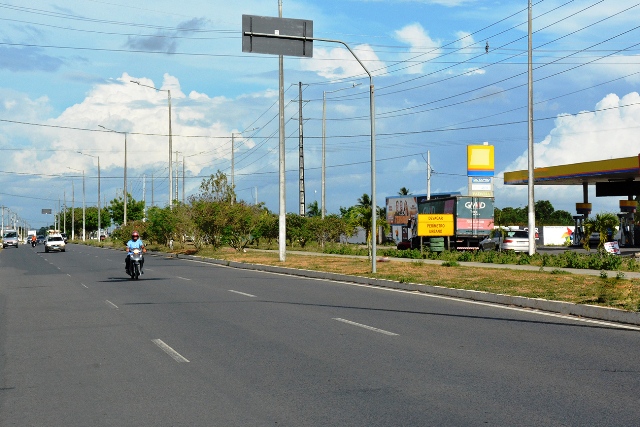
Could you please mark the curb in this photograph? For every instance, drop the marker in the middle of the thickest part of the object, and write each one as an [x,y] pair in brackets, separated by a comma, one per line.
[566,308]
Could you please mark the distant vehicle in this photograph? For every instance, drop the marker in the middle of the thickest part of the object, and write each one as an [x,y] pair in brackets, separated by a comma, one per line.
[10,238]
[404,245]
[472,220]
[54,242]
[41,239]
[512,240]
[64,236]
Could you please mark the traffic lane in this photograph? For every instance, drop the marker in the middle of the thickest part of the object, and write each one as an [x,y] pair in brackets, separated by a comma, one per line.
[250,405]
[282,285]
[548,362]
[498,359]
[69,359]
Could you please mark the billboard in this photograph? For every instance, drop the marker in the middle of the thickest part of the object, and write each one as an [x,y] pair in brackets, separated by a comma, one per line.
[401,209]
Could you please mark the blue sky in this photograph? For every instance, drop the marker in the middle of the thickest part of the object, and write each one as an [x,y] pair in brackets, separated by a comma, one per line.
[66,68]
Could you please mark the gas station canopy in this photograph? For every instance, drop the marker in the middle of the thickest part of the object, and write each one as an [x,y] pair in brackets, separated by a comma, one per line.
[613,177]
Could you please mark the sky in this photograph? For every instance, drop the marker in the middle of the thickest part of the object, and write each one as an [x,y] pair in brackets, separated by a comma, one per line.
[446,74]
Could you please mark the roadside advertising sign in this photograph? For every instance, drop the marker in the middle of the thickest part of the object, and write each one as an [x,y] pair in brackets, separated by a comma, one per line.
[435,225]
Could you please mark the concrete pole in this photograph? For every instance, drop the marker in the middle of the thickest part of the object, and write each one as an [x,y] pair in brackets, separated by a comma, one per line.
[530,186]
[282,217]
[301,153]
[324,154]
[124,192]
[73,211]
[84,210]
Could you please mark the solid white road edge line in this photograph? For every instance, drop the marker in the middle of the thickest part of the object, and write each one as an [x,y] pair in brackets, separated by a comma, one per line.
[462,300]
[171,352]
[371,328]
[242,293]
[111,304]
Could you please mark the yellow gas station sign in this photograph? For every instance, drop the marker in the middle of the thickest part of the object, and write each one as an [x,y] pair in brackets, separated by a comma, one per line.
[435,224]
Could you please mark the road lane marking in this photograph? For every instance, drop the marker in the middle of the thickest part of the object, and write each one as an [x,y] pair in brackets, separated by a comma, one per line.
[84,285]
[371,328]
[183,278]
[573,318]
[242,293]
[171,352]
[112,304]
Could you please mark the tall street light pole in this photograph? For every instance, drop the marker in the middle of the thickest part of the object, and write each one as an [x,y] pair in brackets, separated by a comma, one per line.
[531,217]
[170,137]
[124,192]
[96,157]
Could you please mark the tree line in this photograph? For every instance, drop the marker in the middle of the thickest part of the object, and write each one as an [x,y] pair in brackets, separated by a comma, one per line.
[214,217]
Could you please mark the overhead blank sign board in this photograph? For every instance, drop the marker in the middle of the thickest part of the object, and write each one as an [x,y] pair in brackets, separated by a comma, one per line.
[265,34]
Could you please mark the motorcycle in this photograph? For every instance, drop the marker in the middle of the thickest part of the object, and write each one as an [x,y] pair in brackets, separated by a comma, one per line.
[135,264]
[34,243]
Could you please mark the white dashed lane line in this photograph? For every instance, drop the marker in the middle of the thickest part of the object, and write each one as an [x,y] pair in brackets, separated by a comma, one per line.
[242,293]
[371,328]
[171,352]
[111,304]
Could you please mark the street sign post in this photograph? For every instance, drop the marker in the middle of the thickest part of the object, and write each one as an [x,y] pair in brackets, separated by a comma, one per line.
[301,29]
[300,33]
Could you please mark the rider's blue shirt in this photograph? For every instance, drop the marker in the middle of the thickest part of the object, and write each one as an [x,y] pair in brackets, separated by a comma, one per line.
[134,244]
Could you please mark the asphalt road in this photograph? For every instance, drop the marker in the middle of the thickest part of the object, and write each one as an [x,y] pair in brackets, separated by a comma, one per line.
[193,344]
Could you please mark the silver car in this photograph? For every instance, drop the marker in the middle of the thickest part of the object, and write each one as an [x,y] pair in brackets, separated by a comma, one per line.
[54,242]
[10,238]
[512,240]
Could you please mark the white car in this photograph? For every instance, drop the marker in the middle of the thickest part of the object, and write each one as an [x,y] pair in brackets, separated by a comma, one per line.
[54,242]
[517,240]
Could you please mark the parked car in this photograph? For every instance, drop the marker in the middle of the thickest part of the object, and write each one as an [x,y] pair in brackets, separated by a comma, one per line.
[404,245]
[10,238]
[511,240]
[54,242]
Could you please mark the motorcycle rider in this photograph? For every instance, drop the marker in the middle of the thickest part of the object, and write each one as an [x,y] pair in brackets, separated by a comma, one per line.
[134,243]
[34,240]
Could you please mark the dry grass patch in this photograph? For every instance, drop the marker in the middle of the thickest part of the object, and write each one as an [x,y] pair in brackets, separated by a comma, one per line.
[581,289]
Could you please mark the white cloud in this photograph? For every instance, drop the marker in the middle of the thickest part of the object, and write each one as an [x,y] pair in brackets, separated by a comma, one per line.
[609,132]
[421,47]
[339,63]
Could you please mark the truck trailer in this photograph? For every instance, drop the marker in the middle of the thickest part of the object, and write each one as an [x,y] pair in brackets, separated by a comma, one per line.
[472,220]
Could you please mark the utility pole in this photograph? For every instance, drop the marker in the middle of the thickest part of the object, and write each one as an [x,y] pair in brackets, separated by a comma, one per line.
[73,211]
[301,151]
[530,181]
[144,197]
[176,193]
[428,175]
[183,179]
[282,214]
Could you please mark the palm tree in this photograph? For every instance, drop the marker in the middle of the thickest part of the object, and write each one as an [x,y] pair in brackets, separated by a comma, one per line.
[404,191]
[313,209]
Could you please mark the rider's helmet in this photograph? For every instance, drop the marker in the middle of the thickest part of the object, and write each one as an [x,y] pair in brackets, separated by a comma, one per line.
[135,235]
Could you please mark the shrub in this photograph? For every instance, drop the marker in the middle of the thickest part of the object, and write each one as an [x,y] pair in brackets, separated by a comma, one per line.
[451,264]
